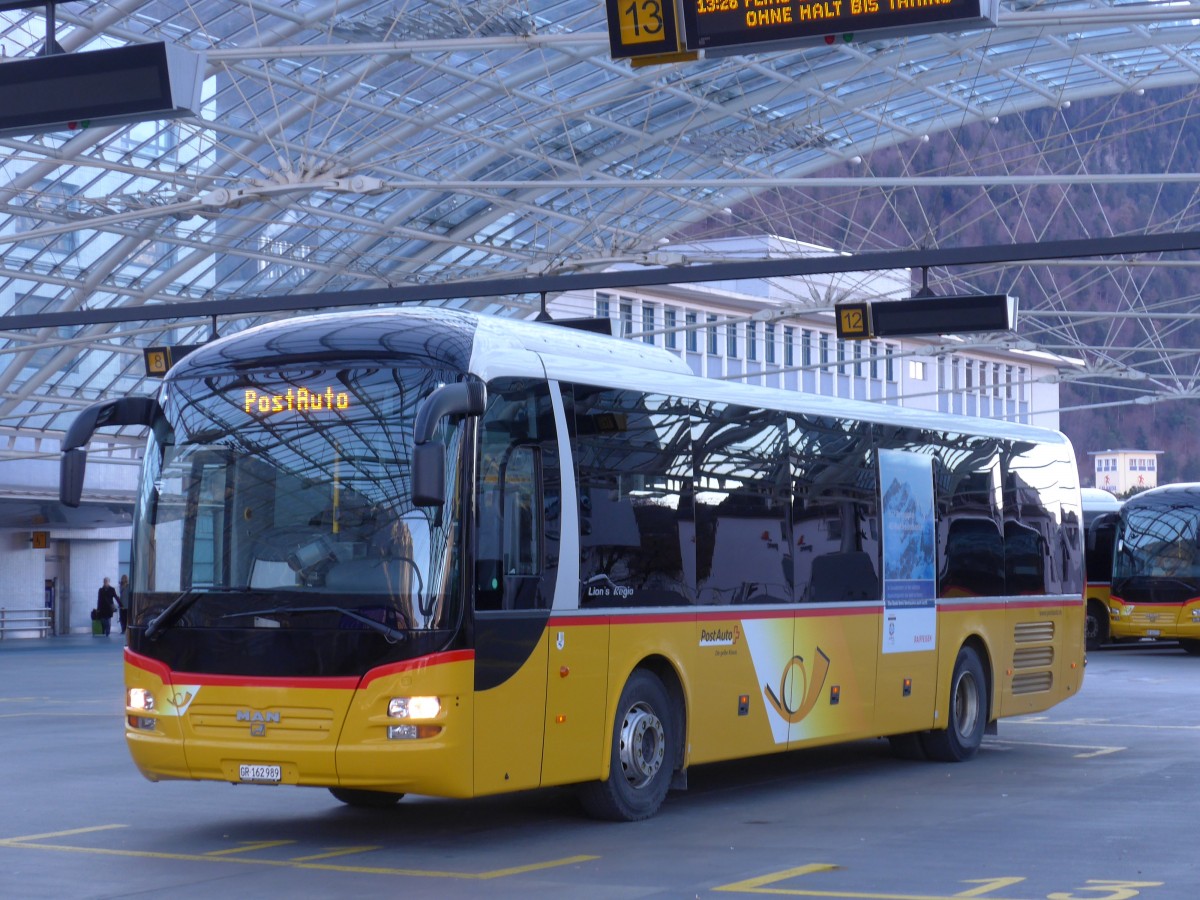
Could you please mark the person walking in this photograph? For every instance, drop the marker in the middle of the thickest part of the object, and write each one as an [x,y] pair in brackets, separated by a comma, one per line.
[106,605]
[123,601]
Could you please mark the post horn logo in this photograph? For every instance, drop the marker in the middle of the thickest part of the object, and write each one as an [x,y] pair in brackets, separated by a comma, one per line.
[810,691]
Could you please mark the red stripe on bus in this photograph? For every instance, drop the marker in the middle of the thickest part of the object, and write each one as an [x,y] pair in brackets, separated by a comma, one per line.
[561,621]
[336,683]
[980,606]
[424,662]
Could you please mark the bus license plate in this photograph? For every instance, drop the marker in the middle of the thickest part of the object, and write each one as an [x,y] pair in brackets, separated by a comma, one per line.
[1153,632]
[267,774]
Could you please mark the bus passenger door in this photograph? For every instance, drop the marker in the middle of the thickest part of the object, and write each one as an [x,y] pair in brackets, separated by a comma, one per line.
[513,588]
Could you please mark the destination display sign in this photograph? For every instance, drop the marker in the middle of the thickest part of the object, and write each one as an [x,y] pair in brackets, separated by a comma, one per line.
[294,400]
[777,24]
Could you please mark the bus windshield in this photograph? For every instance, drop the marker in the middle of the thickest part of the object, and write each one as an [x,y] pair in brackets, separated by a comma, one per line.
[281,500]
[1158,542]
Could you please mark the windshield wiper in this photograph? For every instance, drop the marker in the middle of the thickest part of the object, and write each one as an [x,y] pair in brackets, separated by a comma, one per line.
[391,634]
[180,605]
[174,610]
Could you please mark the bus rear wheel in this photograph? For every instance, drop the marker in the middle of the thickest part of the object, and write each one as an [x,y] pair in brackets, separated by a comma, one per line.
[968,712]
[366,799]
[642,755]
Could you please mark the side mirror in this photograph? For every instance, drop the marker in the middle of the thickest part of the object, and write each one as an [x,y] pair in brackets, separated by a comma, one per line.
[429,458]
[70,477]
[429,475]
[125,411]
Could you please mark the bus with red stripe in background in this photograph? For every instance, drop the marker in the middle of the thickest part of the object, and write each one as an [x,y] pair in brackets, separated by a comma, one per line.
[1100,508]
[1156,567]
[426,552]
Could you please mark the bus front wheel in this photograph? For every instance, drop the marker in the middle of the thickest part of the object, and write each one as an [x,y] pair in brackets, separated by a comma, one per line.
[967,715]
[366,799]
[642,755]
[1097,625]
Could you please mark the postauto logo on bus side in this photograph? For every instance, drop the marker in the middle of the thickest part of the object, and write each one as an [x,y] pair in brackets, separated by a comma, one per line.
[257,719]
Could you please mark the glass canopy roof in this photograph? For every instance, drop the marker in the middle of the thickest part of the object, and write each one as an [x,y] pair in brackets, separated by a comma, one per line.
[364,144]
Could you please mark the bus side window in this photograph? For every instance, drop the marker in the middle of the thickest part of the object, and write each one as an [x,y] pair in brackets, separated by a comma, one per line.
[1033,522]
[743,533]
[835,510]
[517,489]
[521,551]
[1101,533]
[637,530]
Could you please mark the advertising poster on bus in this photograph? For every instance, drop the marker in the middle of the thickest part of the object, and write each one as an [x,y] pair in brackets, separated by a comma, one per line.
[909,569]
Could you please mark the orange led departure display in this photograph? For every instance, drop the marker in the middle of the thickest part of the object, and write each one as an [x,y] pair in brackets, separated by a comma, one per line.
[300,400]
[716,24]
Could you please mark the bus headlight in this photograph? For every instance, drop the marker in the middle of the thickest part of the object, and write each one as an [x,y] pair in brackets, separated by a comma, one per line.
[414,707]
[140,698]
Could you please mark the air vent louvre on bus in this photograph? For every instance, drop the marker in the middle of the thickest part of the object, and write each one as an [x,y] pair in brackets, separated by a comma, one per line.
[1032,682]
[1033,632]
[1033,657]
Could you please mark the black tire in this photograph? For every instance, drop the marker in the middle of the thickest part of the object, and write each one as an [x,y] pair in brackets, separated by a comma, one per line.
[1191,646]
[1096,627]
[366,799]
[968,712]
[643,754]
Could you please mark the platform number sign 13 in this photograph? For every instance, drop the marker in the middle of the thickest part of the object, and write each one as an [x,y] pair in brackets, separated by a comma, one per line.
[642,27]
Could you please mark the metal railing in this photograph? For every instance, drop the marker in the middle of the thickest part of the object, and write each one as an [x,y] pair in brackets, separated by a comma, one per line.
[31,622]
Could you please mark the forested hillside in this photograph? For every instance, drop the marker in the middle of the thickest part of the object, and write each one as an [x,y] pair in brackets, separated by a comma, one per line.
[1153,133]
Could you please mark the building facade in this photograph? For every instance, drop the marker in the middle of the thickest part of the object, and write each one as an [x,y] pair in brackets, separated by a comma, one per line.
[1122,471]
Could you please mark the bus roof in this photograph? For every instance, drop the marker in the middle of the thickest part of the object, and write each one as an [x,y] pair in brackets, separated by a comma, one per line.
[1183,494]
[490,346]
[1099,500]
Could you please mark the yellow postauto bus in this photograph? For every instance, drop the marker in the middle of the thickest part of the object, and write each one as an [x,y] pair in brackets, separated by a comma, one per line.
[1156,567]
[428,552]
[1100,510]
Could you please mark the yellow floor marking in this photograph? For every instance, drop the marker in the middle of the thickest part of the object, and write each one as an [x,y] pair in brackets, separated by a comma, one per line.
[27,844]
[1092,750]
[57,834]
[753,884]
[532,867]
[761,884]
[987,885]
[1098,723]
[249,847]
[335,851]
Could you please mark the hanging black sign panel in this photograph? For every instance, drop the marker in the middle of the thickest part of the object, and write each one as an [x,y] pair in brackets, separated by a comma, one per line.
[754,25]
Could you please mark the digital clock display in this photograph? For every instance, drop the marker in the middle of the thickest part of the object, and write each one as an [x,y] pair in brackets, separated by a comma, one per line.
[294,400]
[712,24]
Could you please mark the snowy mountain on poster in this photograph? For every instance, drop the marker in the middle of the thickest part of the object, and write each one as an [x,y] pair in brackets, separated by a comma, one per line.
[908,534]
